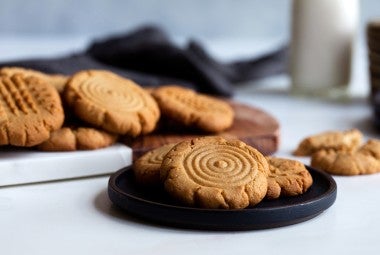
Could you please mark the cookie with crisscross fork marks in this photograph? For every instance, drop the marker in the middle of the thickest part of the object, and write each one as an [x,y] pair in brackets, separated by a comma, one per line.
[192,109]
[58,81]
[30,109]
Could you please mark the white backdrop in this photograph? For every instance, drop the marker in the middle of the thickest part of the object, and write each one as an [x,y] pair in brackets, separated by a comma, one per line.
[197,18]
[200,18]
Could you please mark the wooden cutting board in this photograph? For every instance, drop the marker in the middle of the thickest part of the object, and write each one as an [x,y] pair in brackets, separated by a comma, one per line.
[251,125]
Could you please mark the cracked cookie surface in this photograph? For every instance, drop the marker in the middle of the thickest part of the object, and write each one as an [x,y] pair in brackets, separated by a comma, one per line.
[212,172]
[366,160]
[287,178]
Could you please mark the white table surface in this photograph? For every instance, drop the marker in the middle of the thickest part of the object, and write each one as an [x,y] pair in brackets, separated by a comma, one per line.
[76,216]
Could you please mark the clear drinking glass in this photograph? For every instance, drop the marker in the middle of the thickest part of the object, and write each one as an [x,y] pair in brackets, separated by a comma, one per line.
[322,39]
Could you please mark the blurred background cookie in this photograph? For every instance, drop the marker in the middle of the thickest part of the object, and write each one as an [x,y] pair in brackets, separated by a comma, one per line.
[337,140]
[30,108]
[81,138]
[371,148]
[365,160]
[58,81]
[110,102]
[191,109]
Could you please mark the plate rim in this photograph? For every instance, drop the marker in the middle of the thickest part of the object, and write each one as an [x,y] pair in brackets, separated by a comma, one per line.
[330,193]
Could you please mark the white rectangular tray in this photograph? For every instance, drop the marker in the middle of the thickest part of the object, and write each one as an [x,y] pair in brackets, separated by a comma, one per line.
[25,166]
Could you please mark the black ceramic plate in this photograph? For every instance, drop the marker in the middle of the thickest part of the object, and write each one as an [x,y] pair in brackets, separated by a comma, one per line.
[156,206]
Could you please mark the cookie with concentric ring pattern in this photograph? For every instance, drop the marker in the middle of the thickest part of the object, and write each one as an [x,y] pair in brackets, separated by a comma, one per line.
[212,172]
[147,167]
[192,109]
[287,177]
[113,103]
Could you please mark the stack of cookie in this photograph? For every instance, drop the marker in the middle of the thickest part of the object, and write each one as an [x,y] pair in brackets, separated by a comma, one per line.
[103,104]
[212,172]
[93,108]
[341,152]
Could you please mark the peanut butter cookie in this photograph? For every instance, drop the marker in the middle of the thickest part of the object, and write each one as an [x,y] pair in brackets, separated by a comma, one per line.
[147,167]
[287,178]
[30,109]
[56,80]
[365,160]
[192,109]
[212,172]
[371,148]
[111,102]
[336,140]
[81,138]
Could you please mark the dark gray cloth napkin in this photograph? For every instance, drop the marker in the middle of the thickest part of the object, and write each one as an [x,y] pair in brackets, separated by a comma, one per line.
[150,58]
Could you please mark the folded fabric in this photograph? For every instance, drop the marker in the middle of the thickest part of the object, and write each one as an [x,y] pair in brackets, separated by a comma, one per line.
[149,57]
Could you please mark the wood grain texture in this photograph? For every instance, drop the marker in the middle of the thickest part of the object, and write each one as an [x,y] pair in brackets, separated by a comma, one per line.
[251,125]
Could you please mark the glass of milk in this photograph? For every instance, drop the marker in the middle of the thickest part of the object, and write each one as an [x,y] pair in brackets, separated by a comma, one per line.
[323,34]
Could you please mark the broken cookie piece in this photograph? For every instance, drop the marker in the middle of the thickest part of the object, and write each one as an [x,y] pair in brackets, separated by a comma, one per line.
[366,160]
[332,140]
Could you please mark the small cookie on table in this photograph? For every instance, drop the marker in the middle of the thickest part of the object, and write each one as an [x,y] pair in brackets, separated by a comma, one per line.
[336,140]
[366,160]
